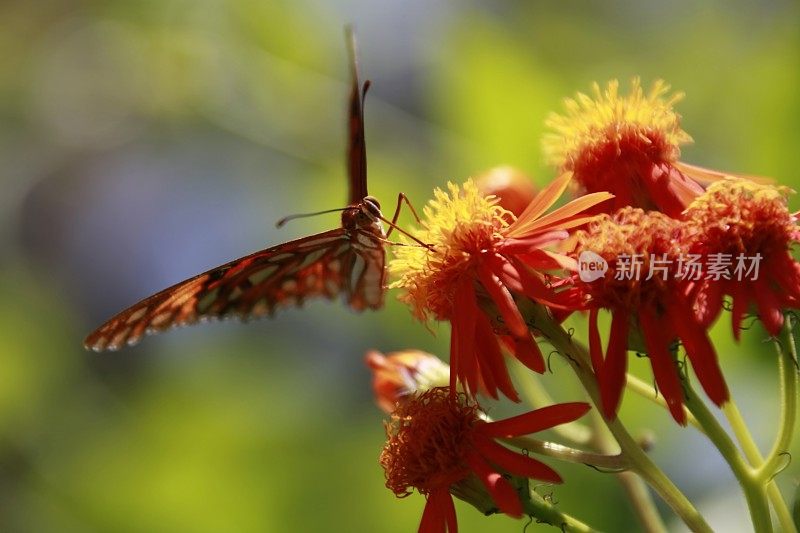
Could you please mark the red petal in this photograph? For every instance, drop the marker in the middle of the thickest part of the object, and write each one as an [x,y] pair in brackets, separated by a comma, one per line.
[535,242]
[769,308]
[534,288]
[449,511]
[664,367]
[502,298]
[612,375]
[701,353]
[501,490]
[563,217]
[465,314]
[541,203]
[436,516]
[536,420]
[712,301]
[787,275]
[670,189]
[491,359]
[515,463]
[527,352]
[595,346]
[741,302]
[538,260]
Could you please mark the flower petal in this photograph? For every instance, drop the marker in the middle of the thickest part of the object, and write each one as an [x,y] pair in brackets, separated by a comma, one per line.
[664,366]
[701,353]
[514,463]
[527,352]
[536,420]
[741,302]
[462,345]
[436,518]
[544,260]
[533,287]
[706,176]
[541,203]
[502,298]
[563,217]
[711,298]
[670,189]
[612,375]
[493,366]
[534,242]
[501,490]
[769,308]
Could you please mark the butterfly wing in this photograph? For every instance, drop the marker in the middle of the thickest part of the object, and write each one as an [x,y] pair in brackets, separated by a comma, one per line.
[356,147]
[366,281]
[322,265]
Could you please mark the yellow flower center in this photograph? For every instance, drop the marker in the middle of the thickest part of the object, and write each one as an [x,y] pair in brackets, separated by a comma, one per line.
[460,225]
[596,131]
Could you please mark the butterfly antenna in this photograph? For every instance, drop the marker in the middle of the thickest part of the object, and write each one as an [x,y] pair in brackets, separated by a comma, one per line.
[284,220]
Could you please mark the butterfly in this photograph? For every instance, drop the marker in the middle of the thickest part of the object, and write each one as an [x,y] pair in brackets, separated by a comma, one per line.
[347,261]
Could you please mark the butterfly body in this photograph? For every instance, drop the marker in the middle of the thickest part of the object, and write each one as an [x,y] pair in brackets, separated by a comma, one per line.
[348,261]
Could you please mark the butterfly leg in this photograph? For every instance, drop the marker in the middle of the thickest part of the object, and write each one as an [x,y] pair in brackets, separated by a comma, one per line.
[400,199]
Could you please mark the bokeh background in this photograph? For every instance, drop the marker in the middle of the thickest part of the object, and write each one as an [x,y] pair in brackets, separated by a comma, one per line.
[142,142]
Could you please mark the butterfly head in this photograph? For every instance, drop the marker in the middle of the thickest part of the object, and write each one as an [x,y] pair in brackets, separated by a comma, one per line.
[366,213]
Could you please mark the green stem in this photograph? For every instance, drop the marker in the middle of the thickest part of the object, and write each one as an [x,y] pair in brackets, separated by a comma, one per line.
[787,355]
[742,433]
[579,360]
[754,490]
[565,453]
[754,457]
[639,495]
[546,512]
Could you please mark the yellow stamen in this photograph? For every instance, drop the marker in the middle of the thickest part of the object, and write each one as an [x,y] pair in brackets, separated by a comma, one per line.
[592,125]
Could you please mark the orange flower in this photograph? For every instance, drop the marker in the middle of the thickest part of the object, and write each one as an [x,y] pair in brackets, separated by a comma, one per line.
[480,256]
[749,230]
[398,375]
[627,145]
[437,440]
[643,290]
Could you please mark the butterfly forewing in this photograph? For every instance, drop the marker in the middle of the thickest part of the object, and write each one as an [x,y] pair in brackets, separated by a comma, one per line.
[356,142]
[323,265]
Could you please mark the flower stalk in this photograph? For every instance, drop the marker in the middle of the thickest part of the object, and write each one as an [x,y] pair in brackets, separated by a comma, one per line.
[545,512]
[539,320]
[754,490]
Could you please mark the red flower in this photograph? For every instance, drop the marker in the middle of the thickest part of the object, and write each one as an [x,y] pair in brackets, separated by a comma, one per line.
[749,230]
[437,441]
[481,256]
[644,293]
[627,145]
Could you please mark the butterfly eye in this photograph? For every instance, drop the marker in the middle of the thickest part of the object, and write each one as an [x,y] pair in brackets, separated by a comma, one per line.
[372,207]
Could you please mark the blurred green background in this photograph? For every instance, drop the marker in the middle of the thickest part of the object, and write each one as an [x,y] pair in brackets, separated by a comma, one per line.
[143,142]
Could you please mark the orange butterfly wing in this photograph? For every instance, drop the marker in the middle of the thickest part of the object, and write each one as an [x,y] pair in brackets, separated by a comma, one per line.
[323,265]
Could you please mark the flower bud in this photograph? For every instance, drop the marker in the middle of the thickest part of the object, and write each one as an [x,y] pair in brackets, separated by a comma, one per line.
[400,374]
